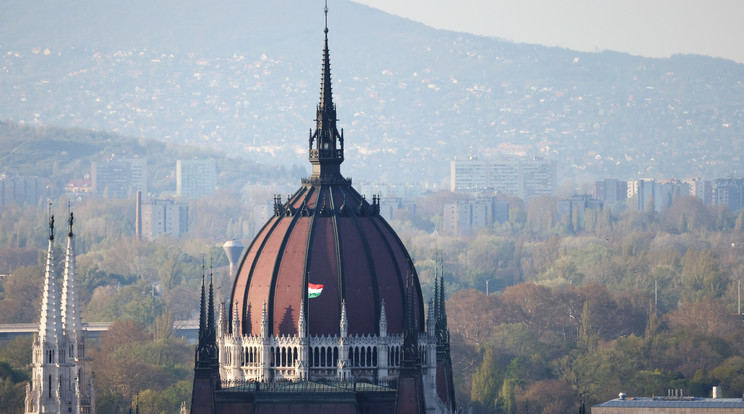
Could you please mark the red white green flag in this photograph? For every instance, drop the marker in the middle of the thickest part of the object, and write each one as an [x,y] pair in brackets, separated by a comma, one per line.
[313,290]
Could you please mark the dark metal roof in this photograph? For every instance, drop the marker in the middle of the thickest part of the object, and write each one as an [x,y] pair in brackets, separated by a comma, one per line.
[683,402]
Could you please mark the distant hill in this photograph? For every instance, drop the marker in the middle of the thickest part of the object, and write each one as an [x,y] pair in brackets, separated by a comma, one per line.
[243,77]
[63,154]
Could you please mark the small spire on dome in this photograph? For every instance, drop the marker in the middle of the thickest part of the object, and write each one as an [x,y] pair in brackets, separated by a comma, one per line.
[326,145]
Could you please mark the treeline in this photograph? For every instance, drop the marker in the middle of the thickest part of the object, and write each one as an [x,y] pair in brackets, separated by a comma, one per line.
[623,301]
[572,312]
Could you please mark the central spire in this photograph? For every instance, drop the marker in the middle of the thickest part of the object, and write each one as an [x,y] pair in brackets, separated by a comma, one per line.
[326,145]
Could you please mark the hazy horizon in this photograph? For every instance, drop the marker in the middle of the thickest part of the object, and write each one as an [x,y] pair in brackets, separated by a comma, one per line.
[659,28]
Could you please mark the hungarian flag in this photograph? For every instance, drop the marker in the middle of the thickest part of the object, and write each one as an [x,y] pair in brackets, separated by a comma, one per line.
[313,290]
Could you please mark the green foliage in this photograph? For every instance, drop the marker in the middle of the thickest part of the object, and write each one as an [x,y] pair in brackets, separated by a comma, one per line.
[487,382]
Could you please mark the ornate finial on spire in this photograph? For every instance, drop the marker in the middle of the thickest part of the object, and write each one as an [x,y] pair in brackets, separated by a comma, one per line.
[326,145]
[51,223]
[326,17]
[383,319]
[264,322]
[69,222]
[344,322]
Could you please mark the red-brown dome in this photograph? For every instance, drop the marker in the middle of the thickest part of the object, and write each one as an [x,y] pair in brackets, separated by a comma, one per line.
[327,234]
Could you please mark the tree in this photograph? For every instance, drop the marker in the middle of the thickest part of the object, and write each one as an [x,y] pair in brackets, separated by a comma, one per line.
[487,382]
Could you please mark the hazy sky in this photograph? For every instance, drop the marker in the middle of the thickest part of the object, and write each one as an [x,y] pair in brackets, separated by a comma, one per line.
[656,28]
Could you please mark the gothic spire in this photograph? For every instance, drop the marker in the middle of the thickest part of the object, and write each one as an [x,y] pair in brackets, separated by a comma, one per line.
[49,323]
[326,145]
[70,311]
[210,310]
[202,314]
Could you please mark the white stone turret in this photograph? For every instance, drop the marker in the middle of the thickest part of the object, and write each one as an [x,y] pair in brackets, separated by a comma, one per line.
[344,322]
[70,308]
[383,347]
[302,371]
[236,321]
[50,326]
[61,379]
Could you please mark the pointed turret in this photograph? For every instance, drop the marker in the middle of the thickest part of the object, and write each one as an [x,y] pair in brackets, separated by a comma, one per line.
[326,145]
[202,316]
[70,312]
[236,321]
[383,320]
[301,321]
[344,321]
[50,325]
[264,322]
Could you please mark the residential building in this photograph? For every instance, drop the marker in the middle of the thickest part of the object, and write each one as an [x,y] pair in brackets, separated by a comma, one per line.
[521,177]
[195,178]
[729,192]
[577,205]
[466,217]
[119,177]
[164,217]
[611,190]
[24,190]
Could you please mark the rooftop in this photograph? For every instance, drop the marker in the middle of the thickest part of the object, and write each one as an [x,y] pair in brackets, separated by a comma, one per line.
[674,402]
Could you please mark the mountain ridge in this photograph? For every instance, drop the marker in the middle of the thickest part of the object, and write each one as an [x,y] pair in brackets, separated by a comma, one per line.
[409,96]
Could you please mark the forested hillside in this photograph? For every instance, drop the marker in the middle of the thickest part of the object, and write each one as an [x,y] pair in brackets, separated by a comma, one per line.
[243,77]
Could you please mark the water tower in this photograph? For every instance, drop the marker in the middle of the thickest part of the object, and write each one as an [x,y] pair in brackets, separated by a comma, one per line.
[233,250]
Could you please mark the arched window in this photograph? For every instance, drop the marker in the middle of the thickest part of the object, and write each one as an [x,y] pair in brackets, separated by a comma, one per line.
[356,356]
[374,356]
[351,357]
[271,356]
[317,356]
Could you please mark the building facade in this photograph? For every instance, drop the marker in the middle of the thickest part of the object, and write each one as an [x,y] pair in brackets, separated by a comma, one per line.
[23,190]
[119,177]
[61,379]
[611,190]
[195,178]
[467,217]
[673,403]
[164,217]
[520,177]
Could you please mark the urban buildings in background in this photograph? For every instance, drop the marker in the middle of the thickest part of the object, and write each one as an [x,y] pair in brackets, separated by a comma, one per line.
[466,217]
[575,207]
[119,177]
[195,178]
[161,217]
[23,190]
[520,177]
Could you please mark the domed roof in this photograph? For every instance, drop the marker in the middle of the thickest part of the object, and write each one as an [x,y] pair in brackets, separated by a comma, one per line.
[326,233]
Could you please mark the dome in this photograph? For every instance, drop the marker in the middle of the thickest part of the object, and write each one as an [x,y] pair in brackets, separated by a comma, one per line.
[326,233]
